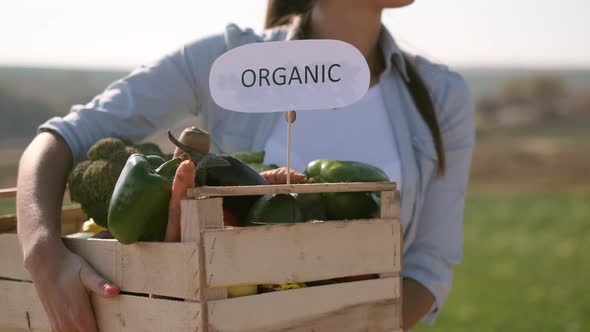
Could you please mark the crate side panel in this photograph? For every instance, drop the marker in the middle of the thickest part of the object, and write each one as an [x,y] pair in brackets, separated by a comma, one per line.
[289,189]
[390,204]
[134,313]
[301,252]
[146,267]
[11,258]
[7,193]
[72,219]
[377,317]
[293,308]
[20,307]
[7,223]
[196,216]
[23,310]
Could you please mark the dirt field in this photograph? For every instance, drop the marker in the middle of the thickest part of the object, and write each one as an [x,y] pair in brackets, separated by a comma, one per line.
[499,163]
[531,164]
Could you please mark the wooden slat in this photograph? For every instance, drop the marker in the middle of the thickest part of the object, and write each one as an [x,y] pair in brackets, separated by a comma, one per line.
[72,218]
[375,317]
[289,189]
[21,309]
[196,216]
[209,217]
[8,193]
[209,212]
[7,223]
[11,258]
[300,309]
[301,252]
[148,267]
[390,207]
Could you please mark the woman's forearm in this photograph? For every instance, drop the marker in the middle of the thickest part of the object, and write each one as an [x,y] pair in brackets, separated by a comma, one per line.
[42,175]
[417,301]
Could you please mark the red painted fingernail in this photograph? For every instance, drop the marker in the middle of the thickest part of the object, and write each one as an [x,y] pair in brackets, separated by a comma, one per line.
[111,289]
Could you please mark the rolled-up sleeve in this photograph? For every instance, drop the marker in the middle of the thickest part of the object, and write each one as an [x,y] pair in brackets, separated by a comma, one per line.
[150,98]
[438,245]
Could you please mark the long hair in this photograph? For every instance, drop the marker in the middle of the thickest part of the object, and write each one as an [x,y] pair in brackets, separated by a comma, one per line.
[280,12]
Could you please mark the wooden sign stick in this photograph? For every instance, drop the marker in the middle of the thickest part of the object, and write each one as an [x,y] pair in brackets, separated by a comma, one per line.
[290,116]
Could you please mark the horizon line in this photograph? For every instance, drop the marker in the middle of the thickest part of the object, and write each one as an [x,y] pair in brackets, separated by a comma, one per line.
[121,68]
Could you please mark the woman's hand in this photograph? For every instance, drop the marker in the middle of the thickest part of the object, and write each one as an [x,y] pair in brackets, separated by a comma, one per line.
[64,282]
[279,176]
[417,301]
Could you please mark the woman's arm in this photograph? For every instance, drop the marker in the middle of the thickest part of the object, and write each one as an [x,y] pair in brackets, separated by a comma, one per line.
[148,99]
[438,244]
[417,301]
[62,279]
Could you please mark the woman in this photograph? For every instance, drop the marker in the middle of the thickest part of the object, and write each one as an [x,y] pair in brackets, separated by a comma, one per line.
[427,149]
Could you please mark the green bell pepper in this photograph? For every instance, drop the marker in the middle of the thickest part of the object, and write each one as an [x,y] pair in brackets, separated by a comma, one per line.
[249,157]
[334,171]
[138,209]
[275,209]
[347,205]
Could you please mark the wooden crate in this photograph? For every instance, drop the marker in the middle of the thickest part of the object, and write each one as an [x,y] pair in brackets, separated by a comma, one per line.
[212,258]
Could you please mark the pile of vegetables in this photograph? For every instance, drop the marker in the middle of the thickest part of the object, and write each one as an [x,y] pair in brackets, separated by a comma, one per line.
[135,193]
[92,181]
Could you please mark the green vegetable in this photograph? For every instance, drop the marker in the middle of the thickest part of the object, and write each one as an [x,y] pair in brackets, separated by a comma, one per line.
[92,181]
[155,161]
[108,149]
[347,205]
[138,209]
[250,157]
[149,149]
[313,205]
[224,170]
[334,171]
[275,209]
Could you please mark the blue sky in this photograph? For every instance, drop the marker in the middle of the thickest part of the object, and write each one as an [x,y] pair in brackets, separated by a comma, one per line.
[127,33]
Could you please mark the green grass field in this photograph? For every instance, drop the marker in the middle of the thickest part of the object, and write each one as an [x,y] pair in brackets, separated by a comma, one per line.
[525,266]
[7,206]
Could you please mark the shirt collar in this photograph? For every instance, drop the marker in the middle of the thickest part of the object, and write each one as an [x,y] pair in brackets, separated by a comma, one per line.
[391,51]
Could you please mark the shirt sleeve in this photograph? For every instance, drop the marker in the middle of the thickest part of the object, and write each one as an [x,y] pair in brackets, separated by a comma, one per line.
[438,245]
[150,98]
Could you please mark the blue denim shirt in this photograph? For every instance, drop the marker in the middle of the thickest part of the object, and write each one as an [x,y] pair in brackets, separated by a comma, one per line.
[153,97]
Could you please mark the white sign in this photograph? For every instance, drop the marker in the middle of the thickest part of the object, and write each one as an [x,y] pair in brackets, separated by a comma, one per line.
[289,75]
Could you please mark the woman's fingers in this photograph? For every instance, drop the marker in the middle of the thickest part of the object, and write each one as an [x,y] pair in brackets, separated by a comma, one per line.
[279,176]
[64,284]
[94,283]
